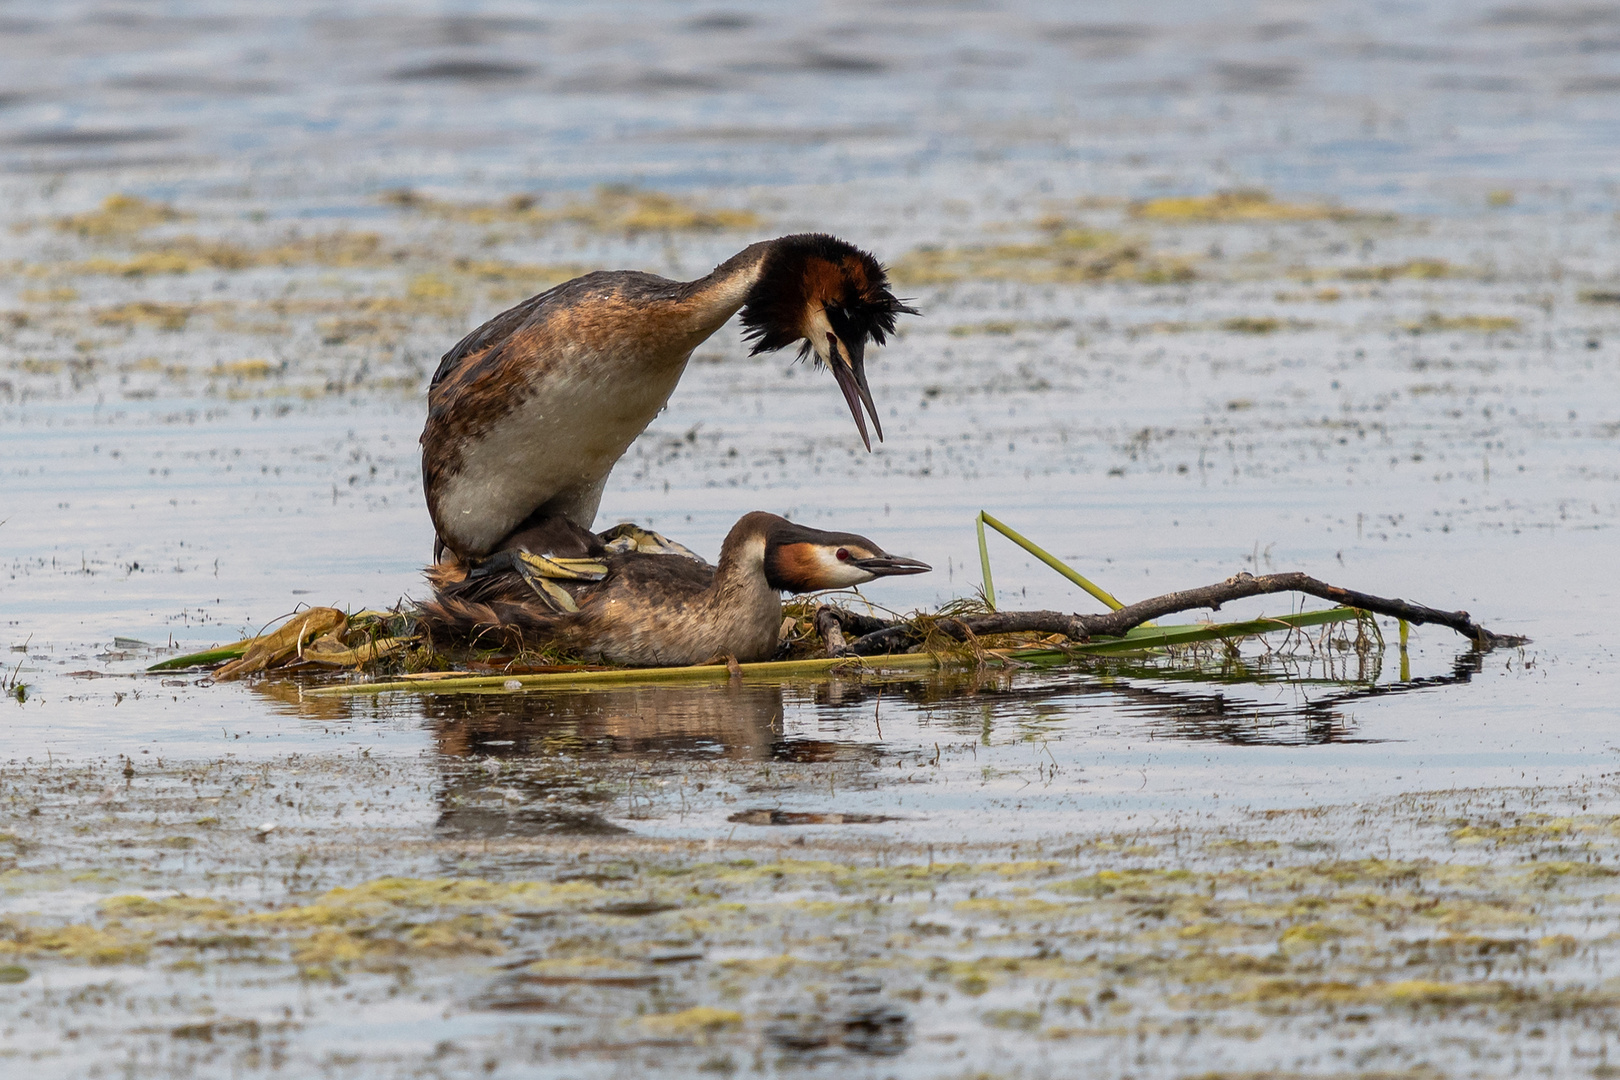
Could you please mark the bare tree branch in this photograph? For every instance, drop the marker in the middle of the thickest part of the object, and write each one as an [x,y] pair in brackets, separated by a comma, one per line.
[886,637]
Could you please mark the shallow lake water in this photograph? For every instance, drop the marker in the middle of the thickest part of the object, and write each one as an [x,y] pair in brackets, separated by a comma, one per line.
[1392,363]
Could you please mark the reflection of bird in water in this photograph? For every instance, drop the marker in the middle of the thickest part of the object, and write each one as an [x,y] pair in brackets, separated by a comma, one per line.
[728,720]
[633,607]
[529,413]
[558,755]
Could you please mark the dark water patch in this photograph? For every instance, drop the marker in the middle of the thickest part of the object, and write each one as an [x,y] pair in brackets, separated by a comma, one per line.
[165,82]
[1281,30]
[990,58]
[86,163]
[1404,52]
[130,19]
[1147,88]
[1560,17]
[880,1030]
[1111,33]
[635,909]
[482,29]
[788,135]
[805,817]
[69,138]
[417,31]
[471,822]
[620,81]
[840,63]
[1593,84]
[521,1003]
[719,21]
[1234,77]
[611,982]
[462,70]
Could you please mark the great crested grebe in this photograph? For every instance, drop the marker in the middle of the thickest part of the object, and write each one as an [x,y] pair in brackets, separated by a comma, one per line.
[657,610]
[529,413]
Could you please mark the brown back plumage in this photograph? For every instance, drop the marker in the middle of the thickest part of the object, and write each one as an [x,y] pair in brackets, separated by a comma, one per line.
[502,606]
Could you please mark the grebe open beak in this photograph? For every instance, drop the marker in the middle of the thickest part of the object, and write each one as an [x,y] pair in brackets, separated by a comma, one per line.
[890,566]
[848,363]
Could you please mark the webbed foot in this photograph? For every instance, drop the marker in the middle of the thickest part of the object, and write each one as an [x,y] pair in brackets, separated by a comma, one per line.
[542,572]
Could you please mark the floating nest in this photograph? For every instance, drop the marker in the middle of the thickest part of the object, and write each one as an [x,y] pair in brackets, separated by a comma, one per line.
[818,635]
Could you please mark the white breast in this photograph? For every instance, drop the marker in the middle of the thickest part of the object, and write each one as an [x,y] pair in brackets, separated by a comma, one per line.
[557,446]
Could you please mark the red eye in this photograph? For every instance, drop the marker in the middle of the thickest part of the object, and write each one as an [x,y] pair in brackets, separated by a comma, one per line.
[843,554]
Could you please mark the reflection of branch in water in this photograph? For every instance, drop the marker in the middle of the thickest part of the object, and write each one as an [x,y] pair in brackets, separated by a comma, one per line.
[1154,696]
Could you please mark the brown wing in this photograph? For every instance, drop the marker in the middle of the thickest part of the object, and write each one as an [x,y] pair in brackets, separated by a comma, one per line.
[483,343]
[466,607]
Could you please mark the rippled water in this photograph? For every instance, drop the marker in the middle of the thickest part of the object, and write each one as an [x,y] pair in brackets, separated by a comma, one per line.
[1313,398]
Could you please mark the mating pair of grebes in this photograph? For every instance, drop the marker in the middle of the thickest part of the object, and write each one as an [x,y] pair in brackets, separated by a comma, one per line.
[529,413]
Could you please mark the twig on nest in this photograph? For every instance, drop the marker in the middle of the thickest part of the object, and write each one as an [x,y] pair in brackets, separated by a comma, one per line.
[891,636]
[832,633]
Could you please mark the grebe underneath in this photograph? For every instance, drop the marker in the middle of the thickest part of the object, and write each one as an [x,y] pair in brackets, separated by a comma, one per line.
[658,610]
[528,414]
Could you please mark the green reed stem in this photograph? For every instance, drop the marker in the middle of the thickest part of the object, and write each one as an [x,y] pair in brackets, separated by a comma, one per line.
[1040,553]
[984,564]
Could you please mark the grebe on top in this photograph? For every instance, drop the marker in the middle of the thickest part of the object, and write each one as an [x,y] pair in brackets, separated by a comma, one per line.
[658,610]
[529,413]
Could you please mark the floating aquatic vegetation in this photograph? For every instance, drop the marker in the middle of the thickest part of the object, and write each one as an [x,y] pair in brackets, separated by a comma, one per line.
[1421,269]
[697,1021]
[529,275]
[146,264]
[119,215]
[76,941]
[1069,254]
[1250,324]
[1434,322]
[191,254]
[1321,296]
[1008,327]
[631,210]
[253,368]
[1260,934]
[612,209]
[60,294]
[1243,204]
[146,313]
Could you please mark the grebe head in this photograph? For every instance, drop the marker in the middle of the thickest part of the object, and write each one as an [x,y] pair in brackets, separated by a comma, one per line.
[831,296]
[800,559]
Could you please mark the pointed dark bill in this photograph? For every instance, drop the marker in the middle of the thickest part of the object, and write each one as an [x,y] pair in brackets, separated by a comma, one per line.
[848,365]
[891,565]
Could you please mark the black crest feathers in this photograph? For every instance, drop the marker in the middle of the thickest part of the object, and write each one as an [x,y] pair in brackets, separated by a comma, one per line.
[811,271]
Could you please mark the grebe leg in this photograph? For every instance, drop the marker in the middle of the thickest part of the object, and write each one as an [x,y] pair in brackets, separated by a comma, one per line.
[628,537]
